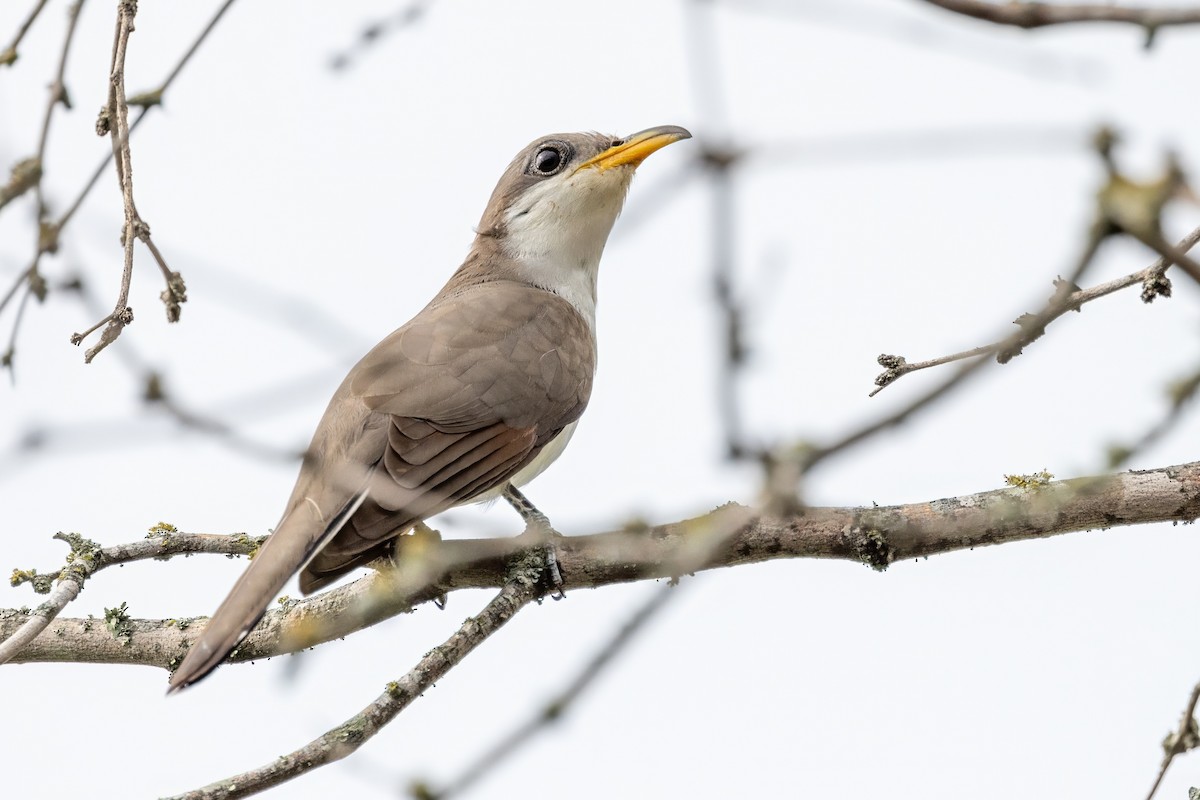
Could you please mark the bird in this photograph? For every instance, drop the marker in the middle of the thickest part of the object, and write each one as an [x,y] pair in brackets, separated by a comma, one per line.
[470,399]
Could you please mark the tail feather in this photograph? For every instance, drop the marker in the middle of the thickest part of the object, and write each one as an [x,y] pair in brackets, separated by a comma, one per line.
[281,556]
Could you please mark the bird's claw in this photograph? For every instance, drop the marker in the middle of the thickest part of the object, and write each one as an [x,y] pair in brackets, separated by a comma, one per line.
[542,538]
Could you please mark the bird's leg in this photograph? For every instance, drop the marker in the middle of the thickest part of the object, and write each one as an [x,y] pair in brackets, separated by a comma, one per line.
[535,521]
[539,529]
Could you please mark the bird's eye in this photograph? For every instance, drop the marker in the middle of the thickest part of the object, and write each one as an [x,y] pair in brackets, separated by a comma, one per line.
[548,160]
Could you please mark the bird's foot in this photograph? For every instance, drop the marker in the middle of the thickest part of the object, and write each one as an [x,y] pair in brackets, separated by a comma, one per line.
[540,541]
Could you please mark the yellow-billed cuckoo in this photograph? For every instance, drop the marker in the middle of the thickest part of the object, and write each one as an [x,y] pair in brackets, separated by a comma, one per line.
[474,396]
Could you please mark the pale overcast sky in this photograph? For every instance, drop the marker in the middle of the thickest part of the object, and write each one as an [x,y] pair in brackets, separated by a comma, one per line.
[313,211]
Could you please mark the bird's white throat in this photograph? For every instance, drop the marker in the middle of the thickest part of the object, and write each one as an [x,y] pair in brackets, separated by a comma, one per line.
[556,232]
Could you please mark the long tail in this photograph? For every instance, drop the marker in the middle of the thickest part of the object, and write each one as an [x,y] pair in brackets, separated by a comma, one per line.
[283,554]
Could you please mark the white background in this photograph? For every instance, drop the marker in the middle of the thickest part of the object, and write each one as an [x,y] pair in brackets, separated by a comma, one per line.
[313,211]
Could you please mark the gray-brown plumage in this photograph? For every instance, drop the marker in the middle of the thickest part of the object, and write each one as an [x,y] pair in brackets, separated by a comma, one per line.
[480,389]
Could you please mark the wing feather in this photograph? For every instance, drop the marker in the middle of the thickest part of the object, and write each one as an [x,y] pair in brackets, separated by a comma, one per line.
[471,390]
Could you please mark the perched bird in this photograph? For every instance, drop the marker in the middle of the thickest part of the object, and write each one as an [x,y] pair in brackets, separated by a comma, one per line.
[474,396]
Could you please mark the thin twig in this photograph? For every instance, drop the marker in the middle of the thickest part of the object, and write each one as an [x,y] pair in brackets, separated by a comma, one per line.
[58,94]
[1172,254]
[186,57]
[8,359]
[1150,278]
[86,558]
[1185,738]
[50,232]
[408,16]
[148,100]
[1180,393]
[9,54]
[156,393]
[114,121]
[346,738]
[1031,327]
[720,161]
[39,618]
[35,166]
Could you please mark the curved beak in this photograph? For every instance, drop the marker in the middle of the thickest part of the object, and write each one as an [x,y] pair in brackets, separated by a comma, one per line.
[634,149]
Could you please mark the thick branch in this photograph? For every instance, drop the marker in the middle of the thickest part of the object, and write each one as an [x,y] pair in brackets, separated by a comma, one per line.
[729,536]
[1039,15]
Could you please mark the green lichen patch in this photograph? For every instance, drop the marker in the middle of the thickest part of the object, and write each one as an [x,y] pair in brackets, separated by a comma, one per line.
[118,622]
[1032,481]
[161,529]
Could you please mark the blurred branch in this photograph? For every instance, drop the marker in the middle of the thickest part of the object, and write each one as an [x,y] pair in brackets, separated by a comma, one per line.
[891,146]
[719,159]
[146,101]
[156,394]
[28,174]
[1179,394]
[343,740]
[553,710]
[1039,15]
[730,536]
[732,347]
[889,22]
[375,32]
[8,55]
[1186,738]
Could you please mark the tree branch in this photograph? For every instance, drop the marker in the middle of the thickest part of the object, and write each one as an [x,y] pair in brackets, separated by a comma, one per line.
[552,711]
[1186,737]
[729,536]
[336,744]
[1152,280]
[1039,15]
[8,55]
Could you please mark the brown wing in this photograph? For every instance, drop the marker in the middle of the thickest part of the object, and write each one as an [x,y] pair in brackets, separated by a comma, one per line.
[471,390]
[445,408]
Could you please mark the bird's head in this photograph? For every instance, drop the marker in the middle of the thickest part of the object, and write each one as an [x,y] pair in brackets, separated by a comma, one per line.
[557,201]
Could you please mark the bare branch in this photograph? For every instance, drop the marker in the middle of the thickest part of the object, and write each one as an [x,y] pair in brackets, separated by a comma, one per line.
[1151,279]
[729,536]
[25,174]
[114,121]
[28,174]
[343,740]
[1122,205]
[412,13]
[1171,254]
[1187,737]
[8,55]
[147,101]
[86,558]
[1038,15]
[1032,326]
[49,232]
[1180,393]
